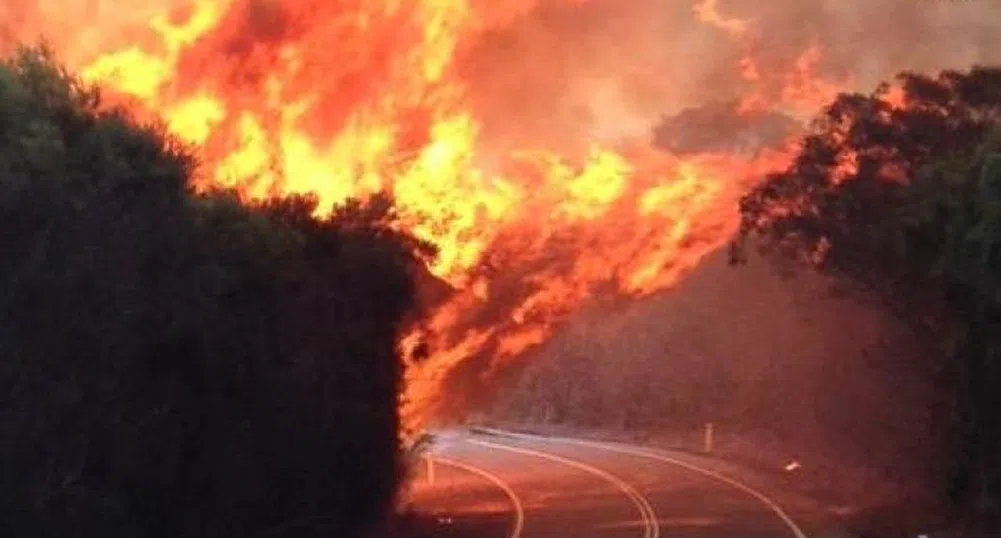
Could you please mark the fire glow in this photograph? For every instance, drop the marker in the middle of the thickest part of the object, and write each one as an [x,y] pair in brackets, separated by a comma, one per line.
[347,98]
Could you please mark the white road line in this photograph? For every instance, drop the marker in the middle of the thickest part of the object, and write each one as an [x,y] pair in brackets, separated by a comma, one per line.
[519,511]
[667,458]
[651,525]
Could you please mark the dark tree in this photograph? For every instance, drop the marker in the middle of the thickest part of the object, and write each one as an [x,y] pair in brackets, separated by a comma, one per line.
[178,364]
[903,204]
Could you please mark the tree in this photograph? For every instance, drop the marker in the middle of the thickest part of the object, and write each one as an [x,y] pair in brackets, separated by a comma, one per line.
[176,363]
[902,203]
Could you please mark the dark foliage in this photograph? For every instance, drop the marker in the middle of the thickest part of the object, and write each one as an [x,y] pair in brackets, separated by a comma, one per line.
[177,364]
[916,225]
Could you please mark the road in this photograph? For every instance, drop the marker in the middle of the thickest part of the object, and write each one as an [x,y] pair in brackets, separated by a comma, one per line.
[509,485]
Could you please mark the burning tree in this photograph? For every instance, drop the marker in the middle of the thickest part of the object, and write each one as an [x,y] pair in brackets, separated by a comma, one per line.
[897,194]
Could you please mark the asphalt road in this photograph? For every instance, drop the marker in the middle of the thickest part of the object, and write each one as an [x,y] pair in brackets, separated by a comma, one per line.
[509,485]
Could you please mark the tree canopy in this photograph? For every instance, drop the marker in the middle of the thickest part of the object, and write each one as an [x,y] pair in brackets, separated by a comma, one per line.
[902,199]
[178,363]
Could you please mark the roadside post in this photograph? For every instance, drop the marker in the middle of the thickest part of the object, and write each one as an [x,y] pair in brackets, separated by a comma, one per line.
[707,441]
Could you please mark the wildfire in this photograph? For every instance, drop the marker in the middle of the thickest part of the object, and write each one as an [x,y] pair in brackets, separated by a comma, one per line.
[344,98]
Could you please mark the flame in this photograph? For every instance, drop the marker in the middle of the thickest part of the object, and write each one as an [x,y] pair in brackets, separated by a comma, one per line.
[346,98]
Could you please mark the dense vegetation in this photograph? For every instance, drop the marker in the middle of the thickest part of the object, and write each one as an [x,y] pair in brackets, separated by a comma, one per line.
[916,226]
[179,364]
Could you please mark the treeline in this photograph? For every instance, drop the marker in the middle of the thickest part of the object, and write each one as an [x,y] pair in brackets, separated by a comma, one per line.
[177,364]
[915,225]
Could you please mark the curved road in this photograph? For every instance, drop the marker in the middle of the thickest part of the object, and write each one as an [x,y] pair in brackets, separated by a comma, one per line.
[509,485]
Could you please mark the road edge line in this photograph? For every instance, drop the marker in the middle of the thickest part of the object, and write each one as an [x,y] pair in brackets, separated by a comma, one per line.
[647,513]
[659,455]
[519,511]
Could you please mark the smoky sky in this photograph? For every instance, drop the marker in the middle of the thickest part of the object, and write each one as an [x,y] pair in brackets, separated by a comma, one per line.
[610,68]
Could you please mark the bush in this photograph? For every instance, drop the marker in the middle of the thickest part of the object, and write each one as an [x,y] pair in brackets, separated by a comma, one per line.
[182,364]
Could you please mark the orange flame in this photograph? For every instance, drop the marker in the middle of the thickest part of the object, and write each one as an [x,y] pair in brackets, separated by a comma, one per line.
[345,98]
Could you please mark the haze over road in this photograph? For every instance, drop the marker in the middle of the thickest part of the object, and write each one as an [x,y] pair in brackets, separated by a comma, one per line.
[522,486]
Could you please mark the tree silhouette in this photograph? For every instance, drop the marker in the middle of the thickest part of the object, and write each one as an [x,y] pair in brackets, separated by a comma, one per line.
[183,364]
[902,201]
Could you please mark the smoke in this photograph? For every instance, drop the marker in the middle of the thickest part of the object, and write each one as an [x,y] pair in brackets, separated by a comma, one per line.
[723,127]
[832,380]
[583,71]
[607,69]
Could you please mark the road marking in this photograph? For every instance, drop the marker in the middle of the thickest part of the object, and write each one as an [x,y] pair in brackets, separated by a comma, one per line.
[519,511]
[665,458]
[651,526]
